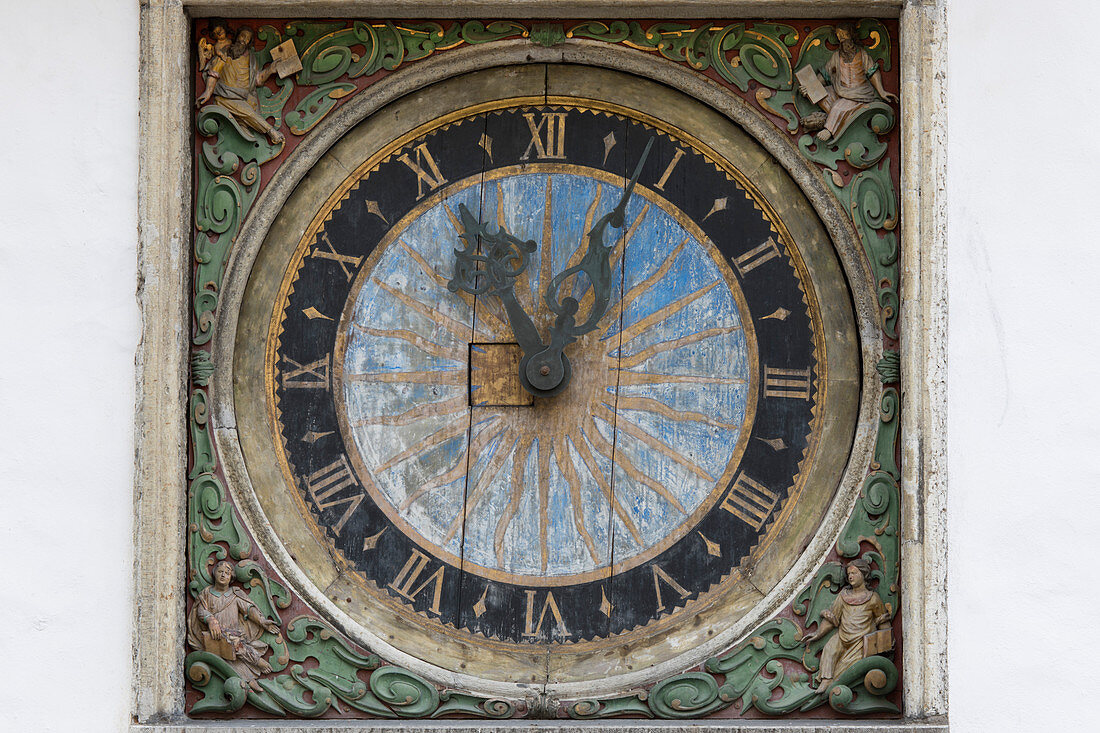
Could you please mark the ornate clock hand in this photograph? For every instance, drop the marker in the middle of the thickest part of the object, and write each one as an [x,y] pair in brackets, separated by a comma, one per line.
[506,258]
[543,368]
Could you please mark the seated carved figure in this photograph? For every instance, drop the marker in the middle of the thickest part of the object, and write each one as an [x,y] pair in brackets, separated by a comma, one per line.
[856,613]
[232,78]
[852,81]
[224,621]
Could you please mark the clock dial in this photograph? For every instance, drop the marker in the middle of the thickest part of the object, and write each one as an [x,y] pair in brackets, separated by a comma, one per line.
[628,478]
[654,494]
[525,491]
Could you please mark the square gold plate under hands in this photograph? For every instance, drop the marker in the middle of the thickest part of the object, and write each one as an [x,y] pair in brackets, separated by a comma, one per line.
[494,376]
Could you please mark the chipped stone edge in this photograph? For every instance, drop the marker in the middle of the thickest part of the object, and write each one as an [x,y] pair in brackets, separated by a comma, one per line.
[160,462]
[164,208]
[923,325]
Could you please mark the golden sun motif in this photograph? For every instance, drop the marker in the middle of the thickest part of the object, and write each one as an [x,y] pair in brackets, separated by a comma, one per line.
[604,475]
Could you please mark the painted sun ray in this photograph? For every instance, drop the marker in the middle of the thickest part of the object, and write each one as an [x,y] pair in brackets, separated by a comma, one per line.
[425,266]
[628,467]
[662,314]
[456,223]
[643,286]
[639,357]
[431,273]
[648,404]
[519,466]
[456,471]
[449,377]
[543,480]
[487,477]
[451,430]
[656,444]
[453,353]
[546,249]
[522,284]
[628,378]
[569,471]
[427,410]
[488,311]
[623,241]
[459,329]
[594,469]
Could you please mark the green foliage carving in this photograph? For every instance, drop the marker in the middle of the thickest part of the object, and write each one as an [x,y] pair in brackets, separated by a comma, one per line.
[228,181]
[315,671]
[213,530]
[889,367]
[314,107]
[547,34]
[872,202]
[322,672]
[202,459]
[201,367]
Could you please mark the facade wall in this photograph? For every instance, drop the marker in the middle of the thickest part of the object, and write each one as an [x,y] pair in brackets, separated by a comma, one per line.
[1022,187]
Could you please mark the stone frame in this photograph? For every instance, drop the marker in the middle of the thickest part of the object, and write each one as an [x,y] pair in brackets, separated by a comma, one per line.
[165,215]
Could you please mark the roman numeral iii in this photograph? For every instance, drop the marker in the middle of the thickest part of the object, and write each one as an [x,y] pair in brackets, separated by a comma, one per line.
[790,383]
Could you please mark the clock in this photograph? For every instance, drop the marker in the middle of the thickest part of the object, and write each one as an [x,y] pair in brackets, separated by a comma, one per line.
[545,375]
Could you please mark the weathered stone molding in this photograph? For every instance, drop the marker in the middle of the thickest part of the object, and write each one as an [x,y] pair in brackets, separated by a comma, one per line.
[164,262]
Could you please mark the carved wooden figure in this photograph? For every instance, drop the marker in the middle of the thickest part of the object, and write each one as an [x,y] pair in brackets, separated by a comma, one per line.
[224,621]
[857,615]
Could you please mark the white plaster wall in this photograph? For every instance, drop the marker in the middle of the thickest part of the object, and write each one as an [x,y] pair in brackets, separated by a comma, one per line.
[1024,195]
[68,218]
[1024,191]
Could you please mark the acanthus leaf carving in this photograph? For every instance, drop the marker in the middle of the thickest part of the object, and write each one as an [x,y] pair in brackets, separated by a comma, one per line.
[774,657]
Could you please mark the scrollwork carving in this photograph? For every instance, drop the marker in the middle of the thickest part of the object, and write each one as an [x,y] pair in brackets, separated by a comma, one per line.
[228,178]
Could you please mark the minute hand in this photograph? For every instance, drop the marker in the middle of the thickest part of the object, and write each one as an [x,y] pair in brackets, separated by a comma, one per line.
[596,265]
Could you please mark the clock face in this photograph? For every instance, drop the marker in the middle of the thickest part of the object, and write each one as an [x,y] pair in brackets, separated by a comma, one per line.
[656,478]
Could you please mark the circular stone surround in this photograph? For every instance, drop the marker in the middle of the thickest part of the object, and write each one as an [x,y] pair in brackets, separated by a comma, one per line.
[478,662]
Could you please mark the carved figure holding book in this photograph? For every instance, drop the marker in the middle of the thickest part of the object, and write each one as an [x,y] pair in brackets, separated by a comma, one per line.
[861,621]
[851,81]
[232,75]
[224,621]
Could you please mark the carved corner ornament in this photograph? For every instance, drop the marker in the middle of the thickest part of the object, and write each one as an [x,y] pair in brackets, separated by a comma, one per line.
[824,85]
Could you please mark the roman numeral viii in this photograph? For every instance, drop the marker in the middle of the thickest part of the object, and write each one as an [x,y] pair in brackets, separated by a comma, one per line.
[326,486]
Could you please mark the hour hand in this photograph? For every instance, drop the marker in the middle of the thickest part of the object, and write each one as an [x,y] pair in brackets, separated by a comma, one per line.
[505,257]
